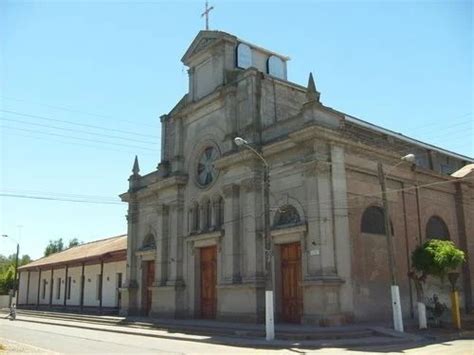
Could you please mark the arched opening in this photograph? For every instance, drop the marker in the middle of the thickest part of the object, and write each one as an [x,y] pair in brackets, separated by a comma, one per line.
[286,215]
[436,229]
[149,242]
[373,221]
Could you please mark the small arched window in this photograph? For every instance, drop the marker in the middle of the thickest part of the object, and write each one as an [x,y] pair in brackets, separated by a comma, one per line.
[287,215]
[195,217]
[373,221]
[436,229]
[149,242]
[219,212]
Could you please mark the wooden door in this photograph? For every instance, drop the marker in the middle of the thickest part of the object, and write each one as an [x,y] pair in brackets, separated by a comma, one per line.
[208,282]
[149,279]
[291,293]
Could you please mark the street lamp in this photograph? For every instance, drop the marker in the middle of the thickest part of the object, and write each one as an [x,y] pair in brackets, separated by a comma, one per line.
[269,292]
[15,286]
[394,290]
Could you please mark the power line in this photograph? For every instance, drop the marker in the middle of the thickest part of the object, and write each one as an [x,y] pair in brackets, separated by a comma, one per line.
[75,111]
[78,138]
[48,198]
[95,147]
[78,131]
[79,124]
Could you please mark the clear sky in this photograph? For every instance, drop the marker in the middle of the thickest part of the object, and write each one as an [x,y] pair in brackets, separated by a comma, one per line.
[83,83]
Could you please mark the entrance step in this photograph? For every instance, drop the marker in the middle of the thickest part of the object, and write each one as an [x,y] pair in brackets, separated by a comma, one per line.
[212,328]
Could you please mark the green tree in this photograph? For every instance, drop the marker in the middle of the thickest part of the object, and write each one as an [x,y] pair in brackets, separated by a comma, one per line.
[55,246]
[437,258]
[7,271]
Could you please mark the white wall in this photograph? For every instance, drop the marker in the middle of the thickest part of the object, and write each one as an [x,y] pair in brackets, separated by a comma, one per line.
[110,282]
[90,288]
[59,273]
[45,276]
[22,287]
[75,274]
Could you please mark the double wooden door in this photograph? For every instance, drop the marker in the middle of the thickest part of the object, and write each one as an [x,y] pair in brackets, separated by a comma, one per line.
[149,279]
[291,293]
[208,282]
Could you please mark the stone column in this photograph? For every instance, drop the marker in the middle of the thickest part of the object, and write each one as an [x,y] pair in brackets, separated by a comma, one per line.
[324,186]
[176,232]
[130,288]
[231,245]
[161,258]
[252,238]
[312,267]
[341,228]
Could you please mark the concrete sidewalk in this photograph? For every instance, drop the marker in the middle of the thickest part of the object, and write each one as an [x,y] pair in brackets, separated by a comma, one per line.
[226,333]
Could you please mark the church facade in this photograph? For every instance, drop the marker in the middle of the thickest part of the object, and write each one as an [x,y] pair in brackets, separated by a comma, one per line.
[196,224]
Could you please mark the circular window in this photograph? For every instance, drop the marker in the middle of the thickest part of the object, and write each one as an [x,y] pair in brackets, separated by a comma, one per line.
[206,171]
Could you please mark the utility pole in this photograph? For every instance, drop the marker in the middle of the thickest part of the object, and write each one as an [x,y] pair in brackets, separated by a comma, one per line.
[394,290]
[268,250]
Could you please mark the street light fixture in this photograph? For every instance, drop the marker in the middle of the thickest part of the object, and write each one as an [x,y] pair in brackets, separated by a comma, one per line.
[394,289]
[269,287]
[15,285]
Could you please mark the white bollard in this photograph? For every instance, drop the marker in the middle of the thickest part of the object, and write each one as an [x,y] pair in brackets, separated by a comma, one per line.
[269,322]
[397,309]
[422,315]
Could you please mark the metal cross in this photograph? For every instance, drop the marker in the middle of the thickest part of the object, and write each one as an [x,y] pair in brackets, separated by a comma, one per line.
[206,13]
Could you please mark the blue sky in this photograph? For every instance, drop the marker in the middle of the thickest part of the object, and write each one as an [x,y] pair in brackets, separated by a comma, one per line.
[69,67]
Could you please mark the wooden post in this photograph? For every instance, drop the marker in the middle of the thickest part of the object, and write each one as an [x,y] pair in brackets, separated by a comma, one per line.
[39,287]
[82,286]
[28,288]
[101,292]
[51,288]
[65,286]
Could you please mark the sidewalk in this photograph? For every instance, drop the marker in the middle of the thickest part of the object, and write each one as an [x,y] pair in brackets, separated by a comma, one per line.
[226,333]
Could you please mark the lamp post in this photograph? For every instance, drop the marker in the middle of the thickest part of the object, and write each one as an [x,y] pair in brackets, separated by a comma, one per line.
[269,287]
[394,290]
[15,286]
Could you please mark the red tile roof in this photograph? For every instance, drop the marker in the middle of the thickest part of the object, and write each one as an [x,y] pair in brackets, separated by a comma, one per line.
[83,253]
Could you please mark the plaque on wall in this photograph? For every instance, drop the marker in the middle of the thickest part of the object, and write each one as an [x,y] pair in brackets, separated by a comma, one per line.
[244,56]
[276,67]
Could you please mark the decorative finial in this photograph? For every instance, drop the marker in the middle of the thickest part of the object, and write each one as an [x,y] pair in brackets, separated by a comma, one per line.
[311,93]
[136,167]
[206,14]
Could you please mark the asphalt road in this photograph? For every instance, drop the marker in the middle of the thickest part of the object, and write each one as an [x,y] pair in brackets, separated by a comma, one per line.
[44,338]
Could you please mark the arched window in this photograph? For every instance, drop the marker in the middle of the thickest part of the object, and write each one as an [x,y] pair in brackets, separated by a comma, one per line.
[436,229]
[195,217]
[373,221]
[219,212]
[287,215]
[149,242]
[207,215]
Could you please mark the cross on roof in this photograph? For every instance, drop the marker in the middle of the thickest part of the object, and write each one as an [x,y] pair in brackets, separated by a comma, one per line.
[206,13]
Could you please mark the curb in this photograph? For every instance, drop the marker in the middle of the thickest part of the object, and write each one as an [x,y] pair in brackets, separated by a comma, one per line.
[237,340]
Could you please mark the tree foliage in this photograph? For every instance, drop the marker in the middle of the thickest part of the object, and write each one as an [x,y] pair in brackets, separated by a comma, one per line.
[55,246]
[436,258]
[7,271]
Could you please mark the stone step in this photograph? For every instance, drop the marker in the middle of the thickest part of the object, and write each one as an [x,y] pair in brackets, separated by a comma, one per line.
[206,328]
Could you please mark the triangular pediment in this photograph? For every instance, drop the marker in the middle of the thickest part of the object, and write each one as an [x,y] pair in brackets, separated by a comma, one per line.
[203,40]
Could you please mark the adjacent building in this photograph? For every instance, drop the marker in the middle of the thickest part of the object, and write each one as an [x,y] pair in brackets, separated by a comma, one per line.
[84,278]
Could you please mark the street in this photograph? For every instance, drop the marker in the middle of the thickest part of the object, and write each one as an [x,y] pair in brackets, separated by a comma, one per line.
[20,336]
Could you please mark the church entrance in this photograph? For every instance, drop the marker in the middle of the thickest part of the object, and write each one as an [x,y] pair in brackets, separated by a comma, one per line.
[208,282]
[149,267]
[291,293]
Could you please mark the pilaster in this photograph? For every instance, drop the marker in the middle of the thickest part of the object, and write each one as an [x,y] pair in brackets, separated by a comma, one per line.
[231,243]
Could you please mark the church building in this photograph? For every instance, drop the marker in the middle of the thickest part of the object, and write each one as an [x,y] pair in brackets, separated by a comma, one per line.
[196,224]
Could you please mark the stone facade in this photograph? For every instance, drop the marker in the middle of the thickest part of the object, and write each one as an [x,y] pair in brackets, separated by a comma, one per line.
[207,192]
